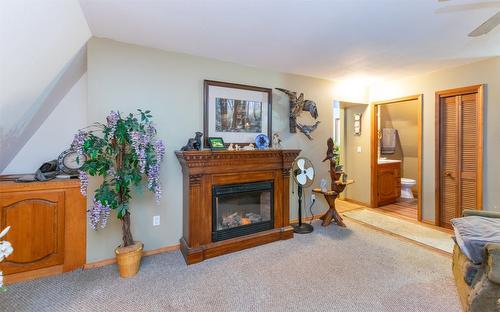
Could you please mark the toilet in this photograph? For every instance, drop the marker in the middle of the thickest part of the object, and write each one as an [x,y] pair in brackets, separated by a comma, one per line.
[406,185]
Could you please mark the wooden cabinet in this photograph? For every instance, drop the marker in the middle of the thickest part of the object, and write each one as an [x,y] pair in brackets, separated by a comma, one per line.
[389,183]
[48,228]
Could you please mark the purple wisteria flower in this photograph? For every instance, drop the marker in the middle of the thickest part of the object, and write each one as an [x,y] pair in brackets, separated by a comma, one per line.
[112,120]
[99,214]
[159,148]
[84,182]
[139,145]
[78,141]
[154,183]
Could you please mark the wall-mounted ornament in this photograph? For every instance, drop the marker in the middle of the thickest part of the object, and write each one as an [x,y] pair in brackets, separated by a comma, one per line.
[297,106]
[357,124]
[307,130]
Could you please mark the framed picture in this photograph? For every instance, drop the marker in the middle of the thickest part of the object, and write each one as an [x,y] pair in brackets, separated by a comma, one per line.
[236,113]
[216,143]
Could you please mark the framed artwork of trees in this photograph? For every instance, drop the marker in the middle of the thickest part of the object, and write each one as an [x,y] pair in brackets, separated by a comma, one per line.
[236,113]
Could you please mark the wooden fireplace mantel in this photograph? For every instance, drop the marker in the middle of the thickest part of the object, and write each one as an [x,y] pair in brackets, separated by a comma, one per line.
[204,169]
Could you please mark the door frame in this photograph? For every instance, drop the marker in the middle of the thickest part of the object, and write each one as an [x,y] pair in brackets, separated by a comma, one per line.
[479,89]
[374,148]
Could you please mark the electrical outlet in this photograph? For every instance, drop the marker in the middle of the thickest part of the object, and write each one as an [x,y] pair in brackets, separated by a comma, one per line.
[156,220]
[358,149]
[313,197]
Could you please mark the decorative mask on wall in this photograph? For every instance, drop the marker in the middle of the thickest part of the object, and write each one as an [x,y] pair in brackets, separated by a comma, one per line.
[297,106]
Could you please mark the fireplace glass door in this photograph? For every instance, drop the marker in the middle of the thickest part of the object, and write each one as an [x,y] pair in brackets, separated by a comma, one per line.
[241,209]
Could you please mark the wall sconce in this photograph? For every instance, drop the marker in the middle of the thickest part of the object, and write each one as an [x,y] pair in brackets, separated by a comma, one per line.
[357,124]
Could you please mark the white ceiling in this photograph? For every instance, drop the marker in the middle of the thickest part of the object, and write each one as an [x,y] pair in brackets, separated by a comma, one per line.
[331,39]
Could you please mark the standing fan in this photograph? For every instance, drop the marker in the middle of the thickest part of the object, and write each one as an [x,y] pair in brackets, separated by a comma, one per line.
[303,175]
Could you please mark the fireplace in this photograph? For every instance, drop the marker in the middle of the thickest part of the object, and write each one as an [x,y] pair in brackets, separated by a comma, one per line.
[234,200]
[241,209]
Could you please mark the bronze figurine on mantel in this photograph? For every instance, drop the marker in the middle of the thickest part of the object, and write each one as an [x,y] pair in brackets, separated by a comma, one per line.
[337,186]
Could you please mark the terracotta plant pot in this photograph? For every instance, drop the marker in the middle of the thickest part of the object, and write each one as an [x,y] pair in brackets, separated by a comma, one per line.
[129,259]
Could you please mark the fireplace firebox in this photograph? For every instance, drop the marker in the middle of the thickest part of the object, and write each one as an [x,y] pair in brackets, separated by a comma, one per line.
[241,209]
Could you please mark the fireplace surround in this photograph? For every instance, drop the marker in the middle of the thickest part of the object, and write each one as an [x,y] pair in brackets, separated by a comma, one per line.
[234,200]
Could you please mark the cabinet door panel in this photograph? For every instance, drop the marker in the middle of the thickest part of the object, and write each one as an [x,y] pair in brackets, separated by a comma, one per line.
[37,229]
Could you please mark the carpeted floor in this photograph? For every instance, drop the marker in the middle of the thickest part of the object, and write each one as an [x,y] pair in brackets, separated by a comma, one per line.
[333,269]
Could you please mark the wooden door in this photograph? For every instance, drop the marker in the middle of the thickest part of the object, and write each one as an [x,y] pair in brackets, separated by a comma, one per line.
[36,219]
[389,183]
[459,166]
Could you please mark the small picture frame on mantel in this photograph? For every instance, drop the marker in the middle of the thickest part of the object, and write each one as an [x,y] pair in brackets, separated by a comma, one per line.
[216,144]
[235,113]
[357,124]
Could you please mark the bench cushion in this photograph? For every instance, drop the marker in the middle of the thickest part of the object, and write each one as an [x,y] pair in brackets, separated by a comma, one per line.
[473,232]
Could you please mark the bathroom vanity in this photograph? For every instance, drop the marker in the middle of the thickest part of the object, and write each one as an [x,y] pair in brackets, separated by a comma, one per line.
[389,181]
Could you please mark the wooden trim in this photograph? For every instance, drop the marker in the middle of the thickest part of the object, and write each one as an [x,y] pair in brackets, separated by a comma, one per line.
[374,156]
[209,83]
[105,262]
[479,89]
[34,274]
[357,202]
[306,219]
[374,148]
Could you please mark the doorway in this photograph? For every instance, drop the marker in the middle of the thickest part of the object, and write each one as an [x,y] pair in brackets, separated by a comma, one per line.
[396,156]
[459,152]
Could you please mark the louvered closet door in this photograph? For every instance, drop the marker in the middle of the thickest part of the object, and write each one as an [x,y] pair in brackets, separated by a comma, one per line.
[460,138]
[449,160]
[468,152]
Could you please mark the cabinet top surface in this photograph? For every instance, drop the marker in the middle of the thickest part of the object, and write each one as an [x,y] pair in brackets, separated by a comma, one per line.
[11,185]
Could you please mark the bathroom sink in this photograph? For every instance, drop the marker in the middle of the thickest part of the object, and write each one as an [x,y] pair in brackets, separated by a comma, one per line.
[388,161]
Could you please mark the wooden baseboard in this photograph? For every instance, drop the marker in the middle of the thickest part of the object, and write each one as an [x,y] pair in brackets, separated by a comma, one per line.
[307,219]
[357,202]
[31,275]
[105,262]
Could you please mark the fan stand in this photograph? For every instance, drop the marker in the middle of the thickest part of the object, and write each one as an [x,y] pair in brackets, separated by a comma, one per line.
[301,228]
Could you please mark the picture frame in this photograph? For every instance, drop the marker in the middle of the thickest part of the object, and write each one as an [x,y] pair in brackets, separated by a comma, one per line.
[236,113]
[216,143]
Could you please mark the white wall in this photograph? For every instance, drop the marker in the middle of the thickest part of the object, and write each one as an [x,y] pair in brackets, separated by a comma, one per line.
[55,134]
[37,39]
[126,77]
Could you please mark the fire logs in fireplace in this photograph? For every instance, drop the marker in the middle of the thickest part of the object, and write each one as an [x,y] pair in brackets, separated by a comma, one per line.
[235,219]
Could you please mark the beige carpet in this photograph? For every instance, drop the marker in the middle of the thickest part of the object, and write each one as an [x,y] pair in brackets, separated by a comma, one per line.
[333,269]
[407,229]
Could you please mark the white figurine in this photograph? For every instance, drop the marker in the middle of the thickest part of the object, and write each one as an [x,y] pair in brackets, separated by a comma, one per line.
[230,147]
[237,147]
[249,147]
[276,141]
[323,185]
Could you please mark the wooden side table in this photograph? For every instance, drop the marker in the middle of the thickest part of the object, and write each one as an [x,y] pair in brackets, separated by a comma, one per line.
[331,196]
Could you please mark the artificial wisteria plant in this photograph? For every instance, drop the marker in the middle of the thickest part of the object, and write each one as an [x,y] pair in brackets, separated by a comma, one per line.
[5,251]
[123,151]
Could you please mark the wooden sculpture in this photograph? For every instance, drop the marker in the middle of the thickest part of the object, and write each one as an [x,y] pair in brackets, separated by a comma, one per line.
[297,105]
[337,186]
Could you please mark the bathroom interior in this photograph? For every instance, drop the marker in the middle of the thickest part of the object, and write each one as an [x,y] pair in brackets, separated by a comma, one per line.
[397,131]
[397,159]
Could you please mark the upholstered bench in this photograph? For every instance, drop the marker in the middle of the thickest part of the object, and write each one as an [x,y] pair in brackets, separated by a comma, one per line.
[476,260]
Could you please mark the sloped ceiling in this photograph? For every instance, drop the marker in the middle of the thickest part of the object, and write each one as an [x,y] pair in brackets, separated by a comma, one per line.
[331,39]
[38,40]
